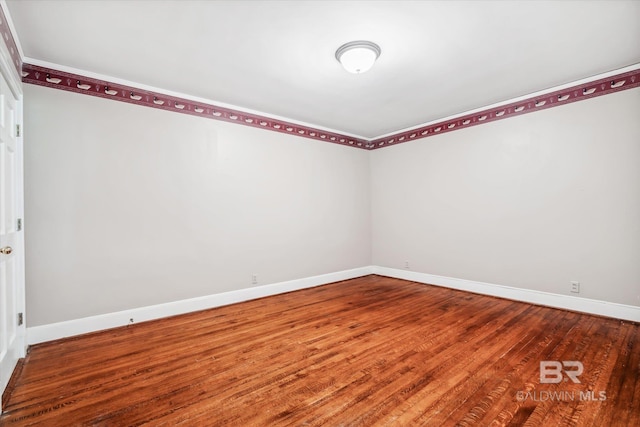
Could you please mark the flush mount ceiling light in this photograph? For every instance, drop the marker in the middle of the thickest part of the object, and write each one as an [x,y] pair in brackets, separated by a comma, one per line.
[358,56]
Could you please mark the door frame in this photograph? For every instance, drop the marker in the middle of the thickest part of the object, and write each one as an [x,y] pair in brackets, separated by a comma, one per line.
[13,79]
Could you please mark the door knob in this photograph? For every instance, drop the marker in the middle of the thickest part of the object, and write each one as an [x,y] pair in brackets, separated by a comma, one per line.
[6,250]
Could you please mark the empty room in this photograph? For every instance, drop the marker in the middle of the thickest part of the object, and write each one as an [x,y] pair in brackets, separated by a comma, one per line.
[319,213]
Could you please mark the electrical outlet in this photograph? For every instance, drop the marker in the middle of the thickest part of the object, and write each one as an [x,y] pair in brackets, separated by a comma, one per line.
[575,287]
[406,265]
[254,279]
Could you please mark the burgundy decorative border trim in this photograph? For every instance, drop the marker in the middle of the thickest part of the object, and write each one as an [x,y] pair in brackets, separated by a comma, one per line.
[10,42]
[56,79]
[556,98]
[48,77]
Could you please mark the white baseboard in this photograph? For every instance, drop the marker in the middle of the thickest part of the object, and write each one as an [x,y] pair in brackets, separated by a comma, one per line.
[567,302]
[54,331]
[39,334]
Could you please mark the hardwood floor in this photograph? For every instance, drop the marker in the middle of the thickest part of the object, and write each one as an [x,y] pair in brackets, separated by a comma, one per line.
[368,351]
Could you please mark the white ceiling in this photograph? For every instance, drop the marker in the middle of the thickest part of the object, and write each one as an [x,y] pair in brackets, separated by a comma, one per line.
[277,57]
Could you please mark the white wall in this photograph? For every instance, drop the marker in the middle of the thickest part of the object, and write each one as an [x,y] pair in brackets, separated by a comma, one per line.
[532,202]
[129,206]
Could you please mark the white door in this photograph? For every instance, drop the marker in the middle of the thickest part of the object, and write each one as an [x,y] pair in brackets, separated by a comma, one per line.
[12,328]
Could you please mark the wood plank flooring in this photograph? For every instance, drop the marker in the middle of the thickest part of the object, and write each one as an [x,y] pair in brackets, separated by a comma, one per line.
[368,351]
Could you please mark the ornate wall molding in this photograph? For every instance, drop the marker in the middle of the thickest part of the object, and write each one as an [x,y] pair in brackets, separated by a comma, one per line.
[71,82]
[580,92]
[57,79]
[9,41]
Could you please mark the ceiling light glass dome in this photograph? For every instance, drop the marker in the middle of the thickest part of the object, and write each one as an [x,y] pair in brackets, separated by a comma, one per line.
[359,56]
